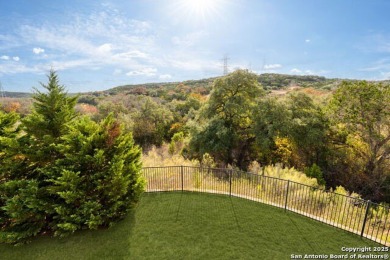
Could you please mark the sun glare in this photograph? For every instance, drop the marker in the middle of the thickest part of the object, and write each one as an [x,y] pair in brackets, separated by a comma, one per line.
[200,10]
[201,6]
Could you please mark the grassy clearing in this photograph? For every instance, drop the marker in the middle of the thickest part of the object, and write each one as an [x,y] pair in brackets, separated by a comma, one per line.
[195,226]
[339,208]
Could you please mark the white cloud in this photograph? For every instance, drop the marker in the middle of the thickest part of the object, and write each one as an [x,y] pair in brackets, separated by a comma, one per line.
[38,50]
[272,66]
[57,38]
[307,40]
[302,72]
[108,22]
[188,61]
[4,57]
[149,72]
[165,77]
[189,39]
[130,55]
[296,71]
[16,58]
[110,38]
[89,39]
[74,48]
[308,72]
[105,48]
[14,68]
[70,64]
[140,26]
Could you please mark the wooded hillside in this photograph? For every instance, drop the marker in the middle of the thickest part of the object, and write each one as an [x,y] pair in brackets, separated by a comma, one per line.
[336,131]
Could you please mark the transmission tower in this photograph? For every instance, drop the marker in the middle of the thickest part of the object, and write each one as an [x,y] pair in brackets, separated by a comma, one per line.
[225,65]
[264,63]
[2,94]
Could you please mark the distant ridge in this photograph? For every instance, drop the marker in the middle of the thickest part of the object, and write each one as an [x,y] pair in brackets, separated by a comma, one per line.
[17,94]
[270,81]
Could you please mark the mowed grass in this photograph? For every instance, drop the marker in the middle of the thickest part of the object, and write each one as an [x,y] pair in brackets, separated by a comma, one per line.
[195,226]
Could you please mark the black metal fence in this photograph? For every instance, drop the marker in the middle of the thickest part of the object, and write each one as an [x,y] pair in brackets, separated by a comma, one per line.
[365,218]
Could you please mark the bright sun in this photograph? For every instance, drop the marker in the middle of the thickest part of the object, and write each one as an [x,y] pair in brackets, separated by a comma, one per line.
[199,9]
[201,6]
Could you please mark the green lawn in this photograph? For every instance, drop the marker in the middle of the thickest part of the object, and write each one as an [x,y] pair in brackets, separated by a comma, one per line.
[195,226]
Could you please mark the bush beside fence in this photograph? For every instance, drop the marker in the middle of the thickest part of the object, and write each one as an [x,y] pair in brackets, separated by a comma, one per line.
[365,218]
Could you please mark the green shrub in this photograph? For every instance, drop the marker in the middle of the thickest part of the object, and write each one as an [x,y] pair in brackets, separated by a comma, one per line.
[64,173]
[315,172]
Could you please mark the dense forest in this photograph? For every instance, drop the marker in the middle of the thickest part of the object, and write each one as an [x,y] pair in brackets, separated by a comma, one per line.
[336,131]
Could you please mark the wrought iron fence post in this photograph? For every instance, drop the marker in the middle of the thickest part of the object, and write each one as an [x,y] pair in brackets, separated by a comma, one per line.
[365,217]
[182,179]
[230,182]
[285,203]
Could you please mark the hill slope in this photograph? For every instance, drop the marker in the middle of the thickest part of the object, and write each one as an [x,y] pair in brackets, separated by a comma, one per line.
[270,81]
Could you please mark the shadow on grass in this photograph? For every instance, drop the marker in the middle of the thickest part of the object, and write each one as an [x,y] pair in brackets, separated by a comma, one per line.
[235,214]
[302,234]
[189,225]
[107,243]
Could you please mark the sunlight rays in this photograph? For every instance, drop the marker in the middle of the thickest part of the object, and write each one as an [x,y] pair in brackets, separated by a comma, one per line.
[196,11]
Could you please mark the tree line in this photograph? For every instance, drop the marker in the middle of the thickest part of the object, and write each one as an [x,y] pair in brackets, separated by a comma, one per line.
[342,140]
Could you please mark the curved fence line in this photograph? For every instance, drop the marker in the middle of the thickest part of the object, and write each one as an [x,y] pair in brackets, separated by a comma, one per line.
[362,217]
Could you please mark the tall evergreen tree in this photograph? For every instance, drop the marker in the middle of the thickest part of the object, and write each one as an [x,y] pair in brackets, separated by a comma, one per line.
[53,112]
[8,132]
[72,173]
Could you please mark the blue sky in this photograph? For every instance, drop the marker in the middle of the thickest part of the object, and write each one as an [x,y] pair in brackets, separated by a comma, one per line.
[96,45]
